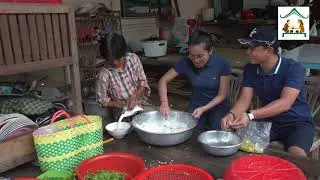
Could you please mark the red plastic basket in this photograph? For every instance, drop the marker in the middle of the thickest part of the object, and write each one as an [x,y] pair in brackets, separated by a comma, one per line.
[256,167]
[175,172]
[33,1]
[127,163]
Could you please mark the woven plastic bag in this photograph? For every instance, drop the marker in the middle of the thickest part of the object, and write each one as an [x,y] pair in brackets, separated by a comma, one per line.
[81,137]
[255,137]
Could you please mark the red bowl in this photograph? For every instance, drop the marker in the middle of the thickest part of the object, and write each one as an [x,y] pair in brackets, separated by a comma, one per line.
[126,163]
[174,172]
[256,167]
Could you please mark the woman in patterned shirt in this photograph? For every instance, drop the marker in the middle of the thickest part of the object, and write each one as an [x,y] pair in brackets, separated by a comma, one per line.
[122,83]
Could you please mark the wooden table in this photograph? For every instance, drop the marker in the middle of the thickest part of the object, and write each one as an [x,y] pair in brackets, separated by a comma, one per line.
[189,152]
[242,22]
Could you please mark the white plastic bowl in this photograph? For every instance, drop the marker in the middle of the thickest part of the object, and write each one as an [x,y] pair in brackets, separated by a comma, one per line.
[118,131]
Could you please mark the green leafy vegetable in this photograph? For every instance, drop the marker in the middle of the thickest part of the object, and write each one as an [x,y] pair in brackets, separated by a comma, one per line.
[105,175]
[55,178]
[56,175]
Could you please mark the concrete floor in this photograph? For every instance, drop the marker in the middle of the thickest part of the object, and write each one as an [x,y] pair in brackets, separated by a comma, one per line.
[25,170]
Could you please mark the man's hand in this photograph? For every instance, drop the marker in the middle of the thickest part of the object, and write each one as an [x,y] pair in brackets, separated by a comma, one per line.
[197,113]
[226,121]
[240,122]
[165,109]
[132,101]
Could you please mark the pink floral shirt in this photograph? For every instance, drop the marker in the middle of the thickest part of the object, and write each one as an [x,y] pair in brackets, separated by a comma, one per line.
[114,84]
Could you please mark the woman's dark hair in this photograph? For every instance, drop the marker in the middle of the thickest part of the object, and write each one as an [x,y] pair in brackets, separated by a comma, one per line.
[201,37]
[113,46]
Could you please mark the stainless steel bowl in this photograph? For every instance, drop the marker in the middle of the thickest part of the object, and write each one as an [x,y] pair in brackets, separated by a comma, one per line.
[164,138]
[220,143]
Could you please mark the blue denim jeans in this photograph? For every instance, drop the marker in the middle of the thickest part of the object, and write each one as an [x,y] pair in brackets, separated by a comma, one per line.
[211,119]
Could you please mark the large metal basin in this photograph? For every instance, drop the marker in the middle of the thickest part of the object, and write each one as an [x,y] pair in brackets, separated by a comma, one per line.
[164,138]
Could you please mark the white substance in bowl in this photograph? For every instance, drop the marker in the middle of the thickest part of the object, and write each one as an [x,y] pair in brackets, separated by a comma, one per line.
[167,127]
[118,129]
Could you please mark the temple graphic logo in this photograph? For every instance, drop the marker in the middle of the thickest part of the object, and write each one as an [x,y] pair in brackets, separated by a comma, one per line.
[293,23]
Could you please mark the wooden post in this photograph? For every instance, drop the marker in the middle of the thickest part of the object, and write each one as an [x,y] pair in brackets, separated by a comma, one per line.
[67,73]
[75,73]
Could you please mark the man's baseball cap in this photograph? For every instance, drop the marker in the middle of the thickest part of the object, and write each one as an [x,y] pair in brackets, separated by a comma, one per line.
[265,36]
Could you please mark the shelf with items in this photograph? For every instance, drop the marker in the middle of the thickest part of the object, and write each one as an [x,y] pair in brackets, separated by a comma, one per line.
[88,80]
[142,8]
[90,29]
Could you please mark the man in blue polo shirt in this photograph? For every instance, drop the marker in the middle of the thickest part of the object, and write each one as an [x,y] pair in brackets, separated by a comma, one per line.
[279,84]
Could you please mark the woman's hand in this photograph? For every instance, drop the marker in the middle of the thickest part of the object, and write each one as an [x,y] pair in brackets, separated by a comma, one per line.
[163,90]
[118,103]
[132,101]
[165,109]
[197,113]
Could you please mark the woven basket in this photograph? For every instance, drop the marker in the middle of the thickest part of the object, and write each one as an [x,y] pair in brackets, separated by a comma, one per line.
[81,138]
